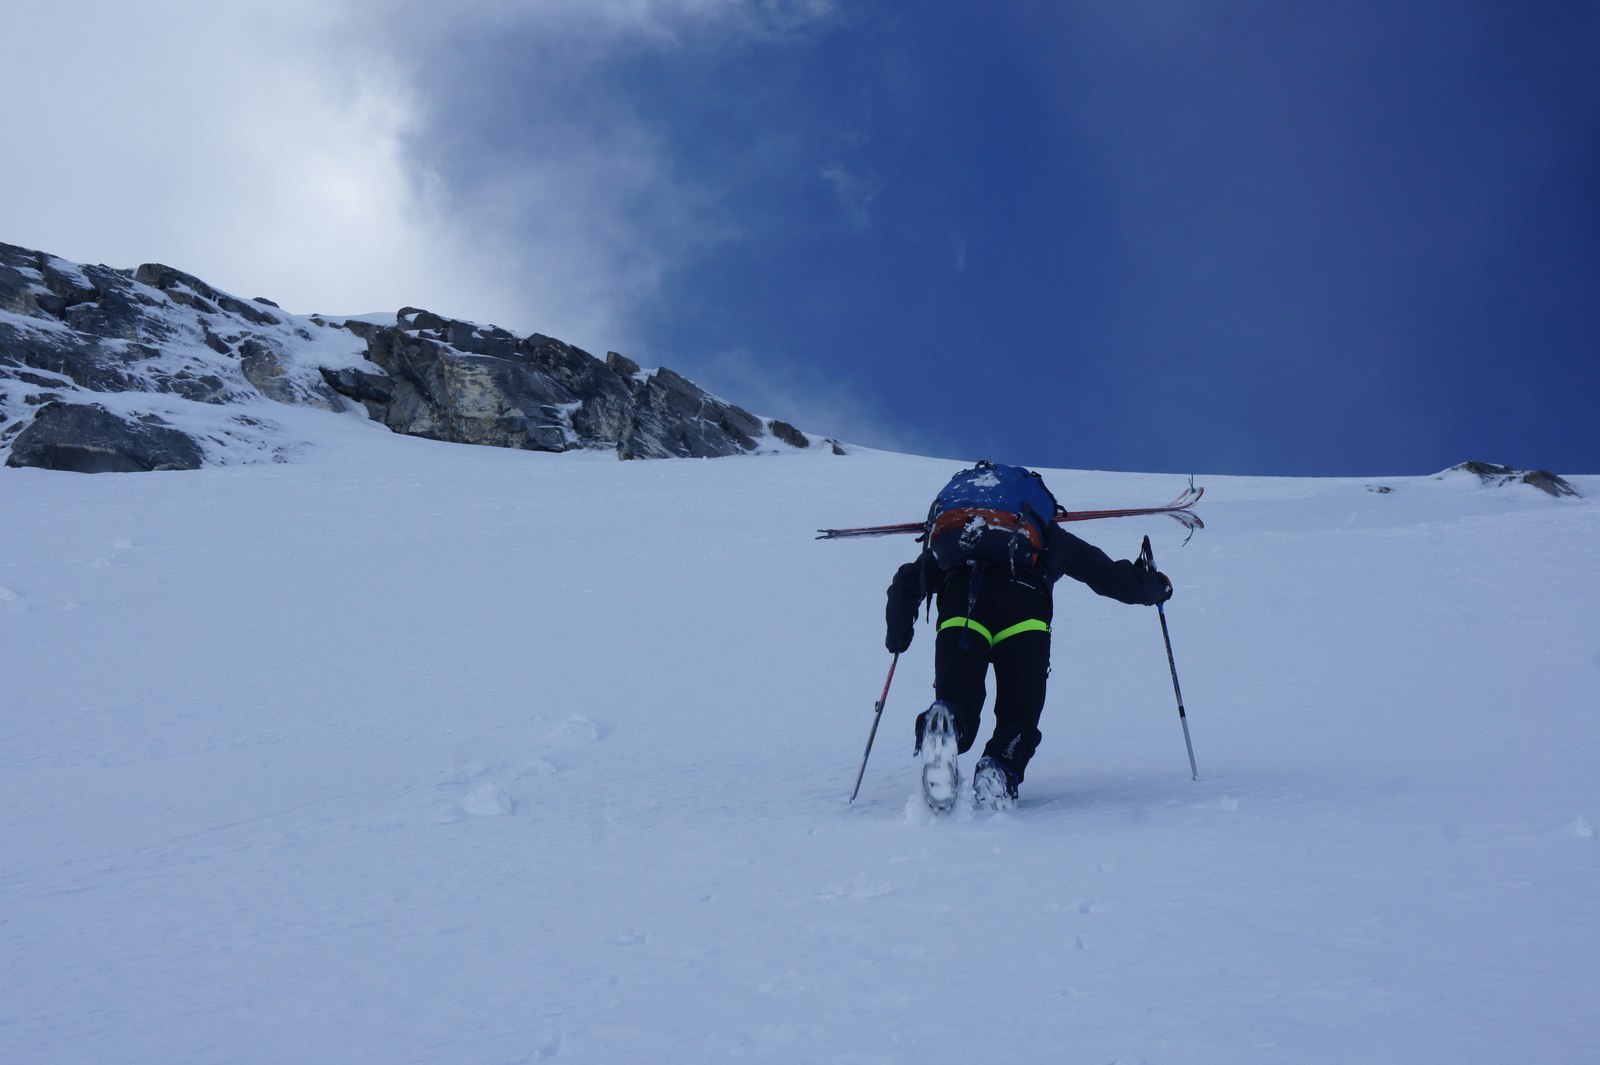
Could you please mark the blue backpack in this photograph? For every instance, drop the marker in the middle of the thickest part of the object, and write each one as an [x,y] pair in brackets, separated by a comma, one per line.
[991,514]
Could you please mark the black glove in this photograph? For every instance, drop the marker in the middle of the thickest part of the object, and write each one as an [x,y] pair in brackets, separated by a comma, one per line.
[901,625]
[898,642]
[1163,587]
[900,613]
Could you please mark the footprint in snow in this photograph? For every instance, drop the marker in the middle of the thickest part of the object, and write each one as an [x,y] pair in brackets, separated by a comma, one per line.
[788,983]
[575,729]
[486,800]
[537,767]
[857,887]
[489,786]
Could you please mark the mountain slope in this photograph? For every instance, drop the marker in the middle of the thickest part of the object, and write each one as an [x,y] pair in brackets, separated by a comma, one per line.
[410,752]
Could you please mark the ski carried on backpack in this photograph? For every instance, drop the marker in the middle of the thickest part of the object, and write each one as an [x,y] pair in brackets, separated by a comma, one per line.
[1180,509]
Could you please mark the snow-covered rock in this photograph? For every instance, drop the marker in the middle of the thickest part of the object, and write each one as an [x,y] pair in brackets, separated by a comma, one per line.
[1495,476]
[72,336]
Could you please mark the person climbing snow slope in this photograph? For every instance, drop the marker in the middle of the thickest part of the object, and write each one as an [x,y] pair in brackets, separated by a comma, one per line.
[991,556]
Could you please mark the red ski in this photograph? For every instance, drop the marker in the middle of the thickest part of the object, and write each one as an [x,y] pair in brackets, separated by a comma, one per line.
[1179,509]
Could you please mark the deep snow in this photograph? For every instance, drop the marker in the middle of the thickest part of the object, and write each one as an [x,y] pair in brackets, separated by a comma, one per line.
[417,752]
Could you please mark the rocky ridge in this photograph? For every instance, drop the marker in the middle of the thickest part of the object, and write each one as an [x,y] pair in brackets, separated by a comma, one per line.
[1494,475]
[106,370]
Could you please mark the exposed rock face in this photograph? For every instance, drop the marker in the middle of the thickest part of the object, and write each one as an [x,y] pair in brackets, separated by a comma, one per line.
[789,434]
[69,333]
[451,380]
[87,438]
[674,417]
[264,366]
[1494,475]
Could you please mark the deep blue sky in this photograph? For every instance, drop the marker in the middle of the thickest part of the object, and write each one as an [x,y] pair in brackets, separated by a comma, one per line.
[1236,236]
[1257,238]
[1269,238]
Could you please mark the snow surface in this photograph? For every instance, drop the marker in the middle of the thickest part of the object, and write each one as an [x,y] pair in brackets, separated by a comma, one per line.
[413,752]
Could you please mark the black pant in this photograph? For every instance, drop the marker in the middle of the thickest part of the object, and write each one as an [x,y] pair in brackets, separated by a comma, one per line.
[1021,661]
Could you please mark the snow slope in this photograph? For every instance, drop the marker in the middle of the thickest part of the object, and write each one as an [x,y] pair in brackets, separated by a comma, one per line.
[412,752]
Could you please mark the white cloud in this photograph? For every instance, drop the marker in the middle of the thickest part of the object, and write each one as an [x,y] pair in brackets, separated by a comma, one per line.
[662,20]
[282,148]
[550,155]
[254,144]
[854,190]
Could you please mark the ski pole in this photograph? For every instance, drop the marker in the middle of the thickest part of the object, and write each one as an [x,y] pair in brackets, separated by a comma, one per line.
[1148,558]
[877,715]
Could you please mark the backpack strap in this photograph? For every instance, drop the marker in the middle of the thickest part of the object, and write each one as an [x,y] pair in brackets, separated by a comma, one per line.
[974,585]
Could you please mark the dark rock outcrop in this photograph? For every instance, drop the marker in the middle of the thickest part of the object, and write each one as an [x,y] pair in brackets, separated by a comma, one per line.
[88,438]
[673,417]
[69,333]
[452,380]
[1495,475]
[373,390]
[192,292]
[788,434]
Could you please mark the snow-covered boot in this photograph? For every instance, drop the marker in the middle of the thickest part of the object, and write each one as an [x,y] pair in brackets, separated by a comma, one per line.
[940,776]
[994,787]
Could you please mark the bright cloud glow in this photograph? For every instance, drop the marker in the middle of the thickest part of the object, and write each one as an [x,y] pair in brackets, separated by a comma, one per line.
[256,145]
[283,150]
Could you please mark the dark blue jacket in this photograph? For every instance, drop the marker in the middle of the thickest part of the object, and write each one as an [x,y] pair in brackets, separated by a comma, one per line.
[1065,556]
